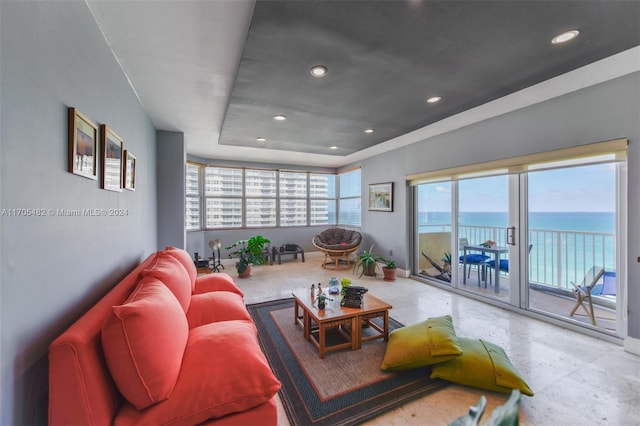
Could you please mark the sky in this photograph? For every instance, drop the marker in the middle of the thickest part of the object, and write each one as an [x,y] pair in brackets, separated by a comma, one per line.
[588,188]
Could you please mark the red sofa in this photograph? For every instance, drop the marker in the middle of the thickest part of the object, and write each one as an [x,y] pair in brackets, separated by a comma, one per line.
[164,346]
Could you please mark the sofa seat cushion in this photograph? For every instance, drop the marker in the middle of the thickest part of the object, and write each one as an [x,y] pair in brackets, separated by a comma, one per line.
[425,343]
[219,281]
[216,306]
[483,365]
[143,341]
[185,259]
[223,372]
[170,271]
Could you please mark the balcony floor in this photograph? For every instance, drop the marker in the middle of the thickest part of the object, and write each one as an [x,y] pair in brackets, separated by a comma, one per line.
[544,301]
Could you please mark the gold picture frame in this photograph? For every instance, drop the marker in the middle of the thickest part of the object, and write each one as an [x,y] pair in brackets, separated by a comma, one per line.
[83,145]
[381,197]
[129,171]
[112,154]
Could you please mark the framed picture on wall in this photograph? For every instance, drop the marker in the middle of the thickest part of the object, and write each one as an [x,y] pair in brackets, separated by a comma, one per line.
[83,145]
[129,171]
[112,154]
[381,197]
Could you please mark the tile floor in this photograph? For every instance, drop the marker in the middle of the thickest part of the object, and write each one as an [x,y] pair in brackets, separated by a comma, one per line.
[578,380]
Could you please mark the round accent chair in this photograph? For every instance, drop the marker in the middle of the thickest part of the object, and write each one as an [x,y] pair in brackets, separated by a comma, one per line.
[337,244]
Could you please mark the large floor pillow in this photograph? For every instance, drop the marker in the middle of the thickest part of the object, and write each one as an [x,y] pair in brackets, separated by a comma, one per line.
[426,343]
[223,372]
[483,365]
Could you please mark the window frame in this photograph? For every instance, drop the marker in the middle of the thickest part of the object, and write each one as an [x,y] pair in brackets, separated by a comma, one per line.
[332,198]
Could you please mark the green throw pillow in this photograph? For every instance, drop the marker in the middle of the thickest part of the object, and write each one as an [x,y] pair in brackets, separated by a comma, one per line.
[482,365]
[426,343]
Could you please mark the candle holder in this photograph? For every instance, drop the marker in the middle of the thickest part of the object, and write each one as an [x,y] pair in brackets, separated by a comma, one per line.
[215,245]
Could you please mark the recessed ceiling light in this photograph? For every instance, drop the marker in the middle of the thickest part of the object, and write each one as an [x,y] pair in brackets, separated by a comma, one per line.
[565,37]
[333,147]
[369,130]
[318,71]
[279,117]
[261,139]
[433,99]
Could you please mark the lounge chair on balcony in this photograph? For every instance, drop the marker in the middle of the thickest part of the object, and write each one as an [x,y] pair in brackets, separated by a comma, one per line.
[337,244]
[596,282]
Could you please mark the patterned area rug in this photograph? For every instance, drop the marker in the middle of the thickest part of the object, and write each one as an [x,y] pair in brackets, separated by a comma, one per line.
[345,388]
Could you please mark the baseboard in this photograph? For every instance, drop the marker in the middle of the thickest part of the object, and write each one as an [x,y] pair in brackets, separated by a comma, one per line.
[632,345]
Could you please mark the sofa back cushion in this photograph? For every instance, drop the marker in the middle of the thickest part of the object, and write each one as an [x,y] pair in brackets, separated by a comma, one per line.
[185,259]
[170,271]
[144,341]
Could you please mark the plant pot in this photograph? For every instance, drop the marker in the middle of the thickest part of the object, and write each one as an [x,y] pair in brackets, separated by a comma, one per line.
[321,305]
[246,273]
[369,270]
[389,273]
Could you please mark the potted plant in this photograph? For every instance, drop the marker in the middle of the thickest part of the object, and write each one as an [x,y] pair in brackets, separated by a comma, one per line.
[389,270]
[447,262]
[368,262]
[249,252]
[322,300]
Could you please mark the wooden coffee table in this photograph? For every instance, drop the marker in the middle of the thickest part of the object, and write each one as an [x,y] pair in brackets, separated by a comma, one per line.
[346,321]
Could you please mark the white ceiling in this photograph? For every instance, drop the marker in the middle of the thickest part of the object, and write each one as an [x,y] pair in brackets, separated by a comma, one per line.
[182,58]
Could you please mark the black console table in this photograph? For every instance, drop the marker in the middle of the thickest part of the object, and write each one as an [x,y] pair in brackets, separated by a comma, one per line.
[289,249]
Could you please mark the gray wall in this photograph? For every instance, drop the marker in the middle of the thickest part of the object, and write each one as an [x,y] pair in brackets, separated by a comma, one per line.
[54,268]
[606,111]
[171,157]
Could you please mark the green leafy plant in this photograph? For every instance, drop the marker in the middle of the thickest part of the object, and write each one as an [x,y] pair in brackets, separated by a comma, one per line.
[368,262]
[248,252]
[446,258]
[391,264]
[322,300]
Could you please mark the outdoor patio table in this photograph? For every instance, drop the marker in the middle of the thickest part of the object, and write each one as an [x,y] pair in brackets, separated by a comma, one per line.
[496,250]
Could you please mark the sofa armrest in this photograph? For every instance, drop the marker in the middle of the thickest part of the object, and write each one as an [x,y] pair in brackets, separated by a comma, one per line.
[216,282]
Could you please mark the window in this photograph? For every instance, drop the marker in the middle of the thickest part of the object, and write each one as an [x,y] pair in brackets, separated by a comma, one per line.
[223,194]
[192,201]
[260,196]
[293,199]
[233,197]
[322,195]
[349,204]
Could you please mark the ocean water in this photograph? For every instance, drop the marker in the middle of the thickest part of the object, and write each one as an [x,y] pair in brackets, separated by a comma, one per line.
[564,244]
[559,221]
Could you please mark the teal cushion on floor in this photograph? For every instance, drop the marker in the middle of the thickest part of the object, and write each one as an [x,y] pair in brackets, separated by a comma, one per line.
[483,365]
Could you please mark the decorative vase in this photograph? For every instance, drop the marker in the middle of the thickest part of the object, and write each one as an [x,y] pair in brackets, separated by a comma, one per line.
[389,273]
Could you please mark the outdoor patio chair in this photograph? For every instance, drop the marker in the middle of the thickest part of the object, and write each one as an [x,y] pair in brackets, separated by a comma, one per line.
[502,267]
[596,282]
[473,259]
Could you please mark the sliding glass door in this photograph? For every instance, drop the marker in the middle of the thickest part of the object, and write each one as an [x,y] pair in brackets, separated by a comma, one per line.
[482,251]
[572,215]
[547,237]
[434,231]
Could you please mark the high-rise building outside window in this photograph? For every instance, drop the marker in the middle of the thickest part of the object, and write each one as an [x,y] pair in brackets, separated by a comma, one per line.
[219,197]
